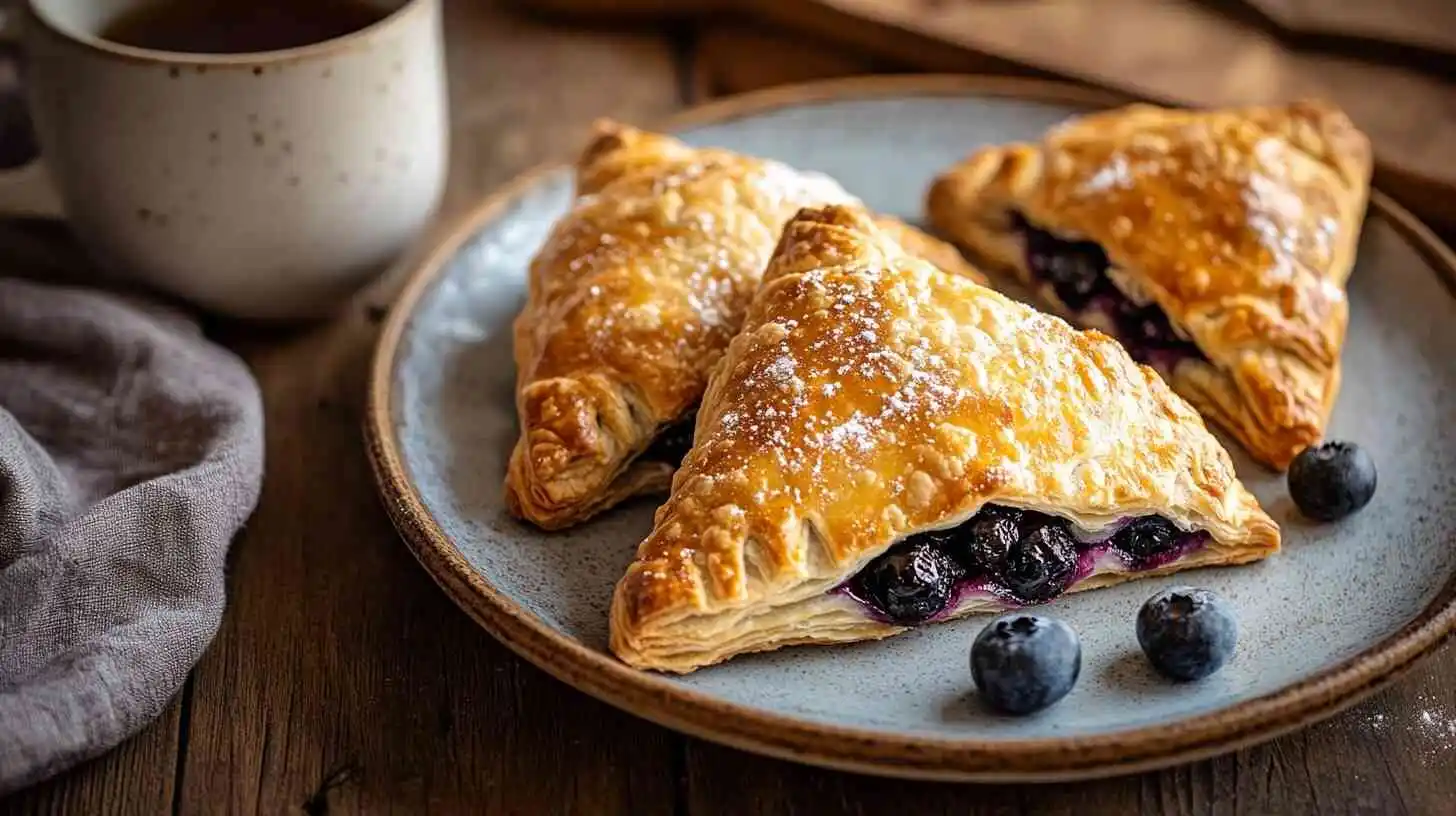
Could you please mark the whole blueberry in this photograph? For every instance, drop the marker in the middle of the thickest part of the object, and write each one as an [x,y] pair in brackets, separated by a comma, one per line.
[1187,633]
[1023,663]
[1146,537]
[1042,564]
[985,540]
[1331,480]
[912,584]
[1001,511]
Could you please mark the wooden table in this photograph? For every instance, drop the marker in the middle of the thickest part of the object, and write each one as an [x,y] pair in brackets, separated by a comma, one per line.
[343,681]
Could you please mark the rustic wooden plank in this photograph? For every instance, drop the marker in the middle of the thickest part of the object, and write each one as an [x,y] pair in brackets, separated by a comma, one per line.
[134,778]
[1424,24]
[522,91]
[719,66]
[781,57]
[342,679]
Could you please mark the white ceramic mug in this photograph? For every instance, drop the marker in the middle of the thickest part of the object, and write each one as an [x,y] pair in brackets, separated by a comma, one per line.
[270,185]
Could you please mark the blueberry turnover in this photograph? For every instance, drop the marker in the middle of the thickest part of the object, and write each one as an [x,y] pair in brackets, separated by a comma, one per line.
[1215,245]
[886,445]
[631,300]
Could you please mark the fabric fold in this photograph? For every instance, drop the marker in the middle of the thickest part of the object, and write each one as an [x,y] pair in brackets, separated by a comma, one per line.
[131,452]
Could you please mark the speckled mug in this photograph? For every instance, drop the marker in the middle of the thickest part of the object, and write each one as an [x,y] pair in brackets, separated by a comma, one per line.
[268,185]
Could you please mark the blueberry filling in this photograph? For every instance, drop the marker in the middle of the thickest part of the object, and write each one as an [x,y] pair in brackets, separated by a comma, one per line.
[986,544]
[1042,564]
[1020,556]
[1146,538]
[1077,272]
[673,442]
[912,584]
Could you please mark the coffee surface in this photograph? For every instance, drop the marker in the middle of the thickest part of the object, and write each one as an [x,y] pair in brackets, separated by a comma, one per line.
[240,26]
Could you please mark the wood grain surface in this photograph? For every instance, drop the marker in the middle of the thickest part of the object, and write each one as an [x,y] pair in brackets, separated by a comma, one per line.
[1427,24]
[342,681]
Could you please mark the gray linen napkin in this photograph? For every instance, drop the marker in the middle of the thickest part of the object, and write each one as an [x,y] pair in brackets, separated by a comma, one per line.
[131,451]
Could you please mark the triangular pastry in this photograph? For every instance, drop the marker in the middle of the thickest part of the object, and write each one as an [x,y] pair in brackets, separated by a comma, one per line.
[1214,244]
[886,444]
[631,300]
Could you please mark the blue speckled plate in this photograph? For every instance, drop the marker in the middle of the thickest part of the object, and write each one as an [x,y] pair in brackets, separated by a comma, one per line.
[1341,610]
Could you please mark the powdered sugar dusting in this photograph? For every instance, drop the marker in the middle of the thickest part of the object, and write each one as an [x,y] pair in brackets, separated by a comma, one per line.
[708,293]
[1430,725]
[781,371]
[853,432]
[720,280]
[841,378]
[1436,725]
[1274,208]
[1377,723]
[696,241]
[1115,174]
[787,187]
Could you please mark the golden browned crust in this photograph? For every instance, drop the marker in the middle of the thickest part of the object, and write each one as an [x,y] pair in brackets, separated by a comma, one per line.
[632,299]
[871,396]
[929,248]
[1241,225]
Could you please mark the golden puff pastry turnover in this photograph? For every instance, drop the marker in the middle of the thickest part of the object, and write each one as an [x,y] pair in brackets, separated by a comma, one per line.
[1214,244]
[631,300]
[886,445]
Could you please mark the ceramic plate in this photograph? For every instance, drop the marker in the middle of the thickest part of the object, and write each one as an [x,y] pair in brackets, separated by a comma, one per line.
[1341,610]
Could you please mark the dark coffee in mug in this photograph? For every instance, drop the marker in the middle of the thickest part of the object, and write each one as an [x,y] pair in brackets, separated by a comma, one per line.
[240,26]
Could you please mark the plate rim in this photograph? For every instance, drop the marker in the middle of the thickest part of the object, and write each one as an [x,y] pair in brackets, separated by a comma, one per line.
[659,699]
